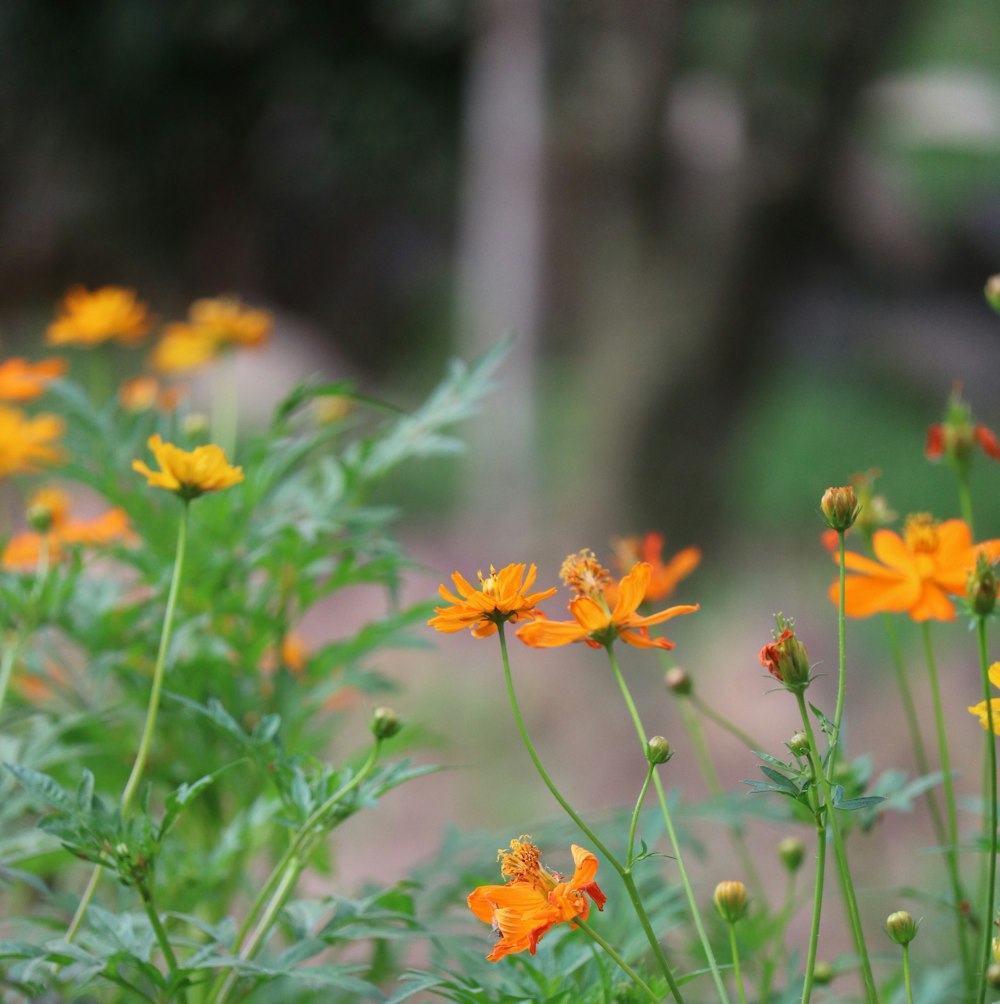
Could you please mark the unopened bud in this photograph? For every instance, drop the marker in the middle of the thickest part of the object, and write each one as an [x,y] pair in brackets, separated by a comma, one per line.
[993,975]
[678,681]
[792,852]
[786,657]
[798,743]
[901,927]
[992,292]
[731,900]
[982,587]
[385,723]
[995,948]
[823,973]
[840,507]
[658,750]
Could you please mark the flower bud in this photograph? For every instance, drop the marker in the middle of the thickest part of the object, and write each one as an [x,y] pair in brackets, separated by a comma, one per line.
[798,744]
[385,723]
[993,975]
[792,852]
[678,681]
[730,900]
[823,973]
[901,927]
[995,949]
[992,292]
[840,507]
[786,657]
[982,587]
[658,750]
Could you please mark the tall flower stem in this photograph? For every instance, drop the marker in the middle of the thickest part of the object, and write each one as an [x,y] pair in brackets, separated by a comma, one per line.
[671,833]
[964,495]
[279,884]
[951,844]
[630,852]
[990,827]
[737,972]
[224,419]
[146,739]
[724,723]
[617,959]
[625,873]
[906,974]
[840,855]
[12,645]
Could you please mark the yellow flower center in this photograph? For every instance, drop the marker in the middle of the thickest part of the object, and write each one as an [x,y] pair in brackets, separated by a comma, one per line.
[584,574]
[920,534]
[521,864]
[489,586]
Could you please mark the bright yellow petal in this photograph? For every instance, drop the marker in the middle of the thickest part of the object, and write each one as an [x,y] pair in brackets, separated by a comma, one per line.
[995,675]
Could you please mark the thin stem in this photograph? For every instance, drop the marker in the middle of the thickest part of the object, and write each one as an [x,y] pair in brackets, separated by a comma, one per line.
[671,833]
[154,702]
[741,990]
[724,723]
[819,883]
[629,855]
[624,873]
[281,881]
[7,661]
[990,833]
[146,895]
[951,846]
[906,974]
[224,419]
[964,495]
[840,854]
[838,713]
[620,962]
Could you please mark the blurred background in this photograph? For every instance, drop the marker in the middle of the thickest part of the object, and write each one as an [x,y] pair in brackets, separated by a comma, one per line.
[740,244]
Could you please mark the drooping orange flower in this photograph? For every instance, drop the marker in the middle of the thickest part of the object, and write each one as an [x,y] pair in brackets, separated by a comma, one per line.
[26,443]
[24,381]
[213,326]
[535,899]
[110,312]
[665,576]
[49,512]
[598,623]
[982,709]
[189,473]
[502,596]
[914,573]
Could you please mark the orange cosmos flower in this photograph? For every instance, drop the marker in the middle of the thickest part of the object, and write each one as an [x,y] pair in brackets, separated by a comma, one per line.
[25,443]
[981,710]
[535,898]
[24,381]
[189,474]
[142,393]
[914,573]
[87,319]
[957,436]
[664,577]
[500,598]
[595,621]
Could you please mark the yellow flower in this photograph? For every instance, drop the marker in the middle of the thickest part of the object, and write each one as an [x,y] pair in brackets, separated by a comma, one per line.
[24,381]
[535,898]
[212,327]
[501,597]
[27,442]
[189,474]
[981,708]
[110,312]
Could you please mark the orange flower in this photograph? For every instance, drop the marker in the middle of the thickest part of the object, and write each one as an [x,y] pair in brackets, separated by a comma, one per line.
[183,347]
[598,624]
[534,899]
[142,393]
[500,598]
[91,318]
[189,474]
[914,573]
[25,443]
[664,578]
[24,381]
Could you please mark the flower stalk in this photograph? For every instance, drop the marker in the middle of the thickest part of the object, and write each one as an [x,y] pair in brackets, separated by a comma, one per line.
[989,824]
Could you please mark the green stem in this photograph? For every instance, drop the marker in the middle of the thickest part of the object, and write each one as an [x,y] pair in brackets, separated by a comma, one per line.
[624,873]
[736,964]
[840,855]
[224,419]
[990,833]
[671,833]
[724,723]
[838,713]
[629,856]
[906,974]
[621,963]
[711,778]
[146,895]
[281,881]
[7,660]
[154,702]
[819,884]
[964,495]
[951,845]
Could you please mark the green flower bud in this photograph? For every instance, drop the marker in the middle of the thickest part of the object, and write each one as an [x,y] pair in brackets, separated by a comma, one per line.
[901,927]
[992,292]
[840,507]
[786,657]
[823,973]
[385,723]
[678,681]
[993,975]
[982,587]
[799,744]
[658,750]
[730,900]
[792,851]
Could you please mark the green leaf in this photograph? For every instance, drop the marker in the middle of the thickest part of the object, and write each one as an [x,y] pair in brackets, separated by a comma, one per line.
[43,787]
